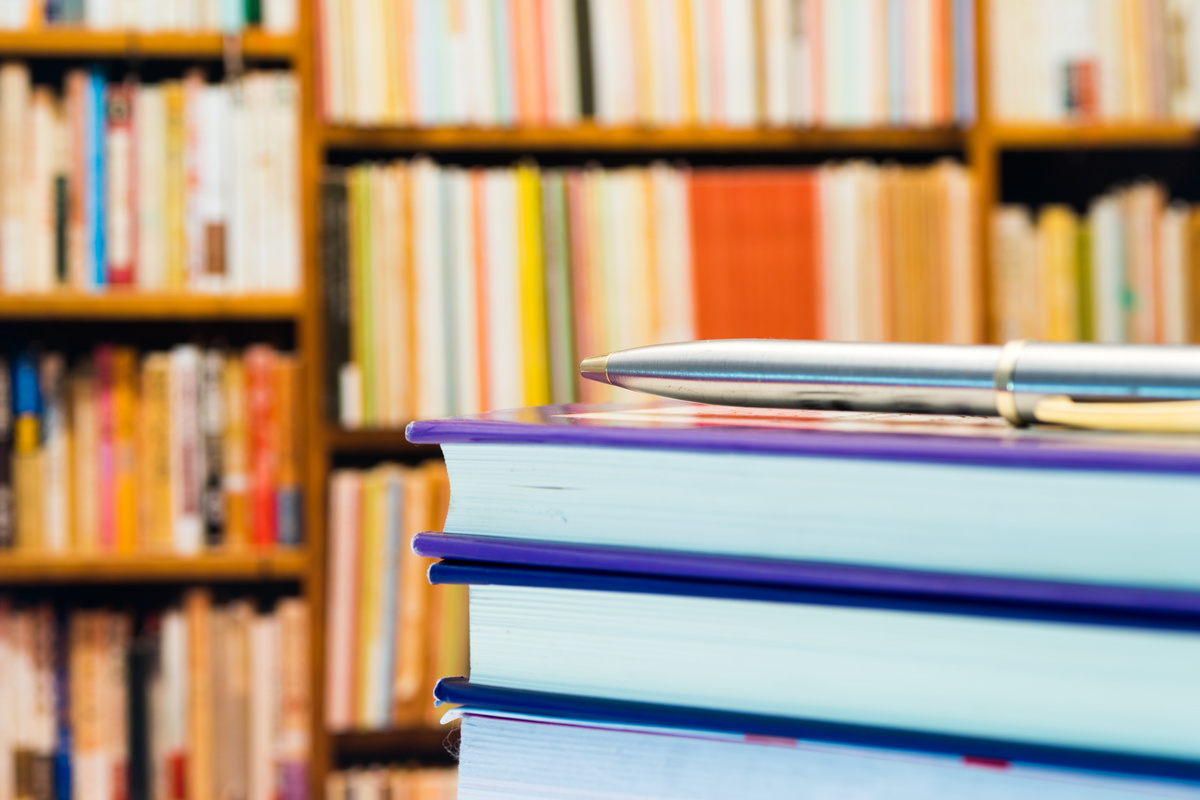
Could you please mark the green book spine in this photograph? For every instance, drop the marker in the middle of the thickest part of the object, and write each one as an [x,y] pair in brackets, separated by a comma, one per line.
[61,210]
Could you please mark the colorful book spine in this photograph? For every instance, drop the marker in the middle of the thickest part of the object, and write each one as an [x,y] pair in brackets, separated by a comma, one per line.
[7,520]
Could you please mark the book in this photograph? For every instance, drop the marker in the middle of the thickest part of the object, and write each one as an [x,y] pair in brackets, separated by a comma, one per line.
[696,63]
[122,454]
[490,283]
[151,186]
[1082,492]
[1046,678]
[391,633]
[98,701]
[1119,273]
[532,752]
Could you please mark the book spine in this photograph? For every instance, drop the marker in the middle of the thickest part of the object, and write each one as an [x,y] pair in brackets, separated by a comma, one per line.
[104,448]
[212,422]
[176,190]
[289,432]
[55,466]
[97,183]
[295,705]
[120,152]
[125,465]
[234,455]
[155,453]
[335,264]
[260,403]
[186,455]
[194,260]
[27,489]
[7,520]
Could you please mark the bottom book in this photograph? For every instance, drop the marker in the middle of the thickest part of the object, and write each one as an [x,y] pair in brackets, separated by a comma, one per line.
[513,755]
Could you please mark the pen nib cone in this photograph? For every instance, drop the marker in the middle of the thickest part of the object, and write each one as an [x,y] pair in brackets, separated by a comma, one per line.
[595,368]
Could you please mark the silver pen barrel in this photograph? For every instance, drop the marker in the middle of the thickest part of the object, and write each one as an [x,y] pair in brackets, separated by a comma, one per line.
[913,378]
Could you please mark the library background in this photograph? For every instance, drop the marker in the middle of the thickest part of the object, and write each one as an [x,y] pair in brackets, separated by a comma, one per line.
[242,245]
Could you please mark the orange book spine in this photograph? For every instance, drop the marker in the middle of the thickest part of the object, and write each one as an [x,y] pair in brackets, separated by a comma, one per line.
[481,286]
[264,450]
[124,452]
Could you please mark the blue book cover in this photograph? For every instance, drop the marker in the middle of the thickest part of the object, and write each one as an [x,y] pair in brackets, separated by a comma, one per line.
[460,691]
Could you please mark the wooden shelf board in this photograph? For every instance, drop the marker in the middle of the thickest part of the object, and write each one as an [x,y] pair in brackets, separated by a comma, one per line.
[21,568]
[114,305]
[1164,134]
[381,440]
[591,138]
[69,42]
[394,743]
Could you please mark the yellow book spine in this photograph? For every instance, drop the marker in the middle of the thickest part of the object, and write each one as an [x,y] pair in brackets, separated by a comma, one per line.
[27,482]
[532,288]
[157,518]
[1057,228]
[234,450]
[125,401]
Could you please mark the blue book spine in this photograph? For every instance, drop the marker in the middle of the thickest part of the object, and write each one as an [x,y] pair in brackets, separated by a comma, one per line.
[98,186]
[62,681]
[505,111]
[27,394]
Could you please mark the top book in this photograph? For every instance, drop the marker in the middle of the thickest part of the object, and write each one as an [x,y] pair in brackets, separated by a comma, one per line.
[912,494]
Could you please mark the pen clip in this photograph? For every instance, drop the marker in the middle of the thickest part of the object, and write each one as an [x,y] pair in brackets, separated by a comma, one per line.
[1170,416]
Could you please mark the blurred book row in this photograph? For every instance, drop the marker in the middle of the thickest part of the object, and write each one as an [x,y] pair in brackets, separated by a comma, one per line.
[490,284]
[1126,270]
[725,63]
[390,634]
[170,452]
[178,185]
[152,16]
[1098,60]
[200,700]
[393,783]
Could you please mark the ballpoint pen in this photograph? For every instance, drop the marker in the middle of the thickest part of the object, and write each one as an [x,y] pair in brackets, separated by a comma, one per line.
[1125,387]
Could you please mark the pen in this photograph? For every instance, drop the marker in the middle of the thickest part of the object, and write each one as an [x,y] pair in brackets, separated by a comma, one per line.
[1084,385]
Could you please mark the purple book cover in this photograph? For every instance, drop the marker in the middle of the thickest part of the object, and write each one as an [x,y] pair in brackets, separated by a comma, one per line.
[822,576]
[904,437]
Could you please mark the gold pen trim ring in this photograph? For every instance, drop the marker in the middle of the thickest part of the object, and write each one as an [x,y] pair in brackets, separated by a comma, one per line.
[1006,367]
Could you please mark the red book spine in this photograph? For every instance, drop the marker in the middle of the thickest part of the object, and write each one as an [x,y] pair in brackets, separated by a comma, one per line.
[119,145]
[264,450]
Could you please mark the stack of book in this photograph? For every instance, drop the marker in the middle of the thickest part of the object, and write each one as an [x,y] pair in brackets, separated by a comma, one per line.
[390,634]
[198,701]
[392,783]
[1126,271]
[717,603]
[489,284]
[722,63]
[1095,60]
[152,16]
[168,186]
[172,452]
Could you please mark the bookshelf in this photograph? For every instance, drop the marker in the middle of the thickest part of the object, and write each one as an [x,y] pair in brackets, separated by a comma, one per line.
[981,146]
[136,306]
[23,570]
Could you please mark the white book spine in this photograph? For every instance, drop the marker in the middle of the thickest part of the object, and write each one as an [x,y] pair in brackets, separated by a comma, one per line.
[567,42]
[264,704]
[212,190]
[285,276]
[1174,288]
[56,464]
[15,92]
[505,356]
[430,290]
[702,63]
[39,271]
[466,315]
[279,16]
[239,185]
[186,454]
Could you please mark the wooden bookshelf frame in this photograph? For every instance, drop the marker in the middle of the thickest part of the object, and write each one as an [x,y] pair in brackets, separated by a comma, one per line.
[980,145]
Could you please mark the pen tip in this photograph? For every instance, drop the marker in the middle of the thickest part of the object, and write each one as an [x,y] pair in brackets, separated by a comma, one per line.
[595,368]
